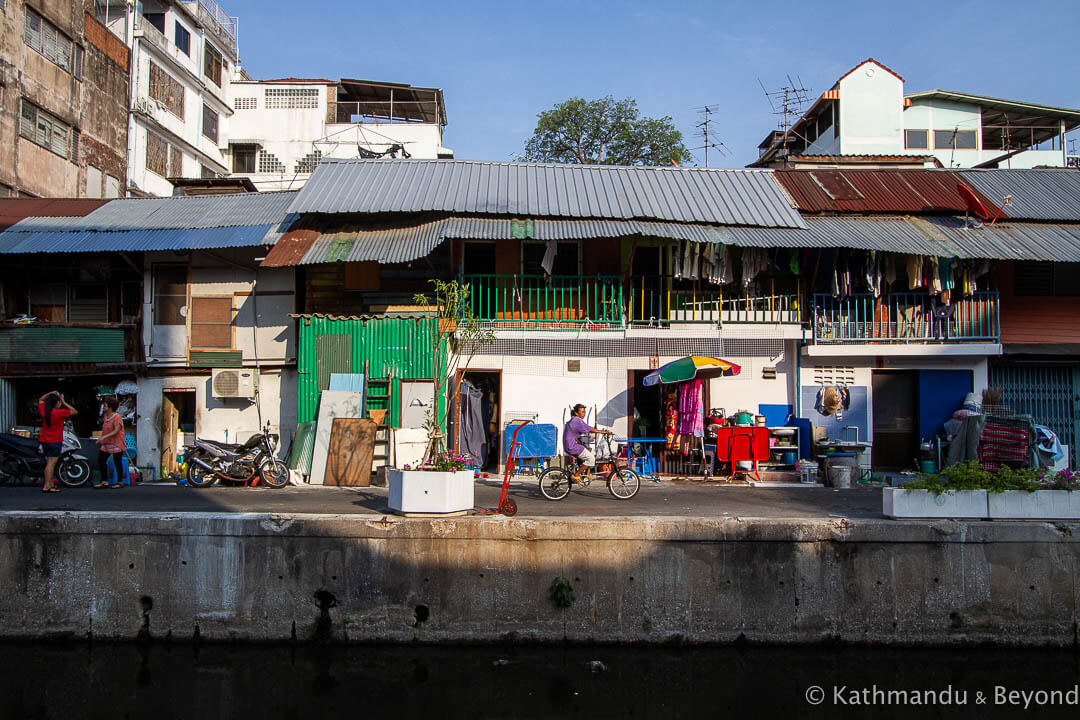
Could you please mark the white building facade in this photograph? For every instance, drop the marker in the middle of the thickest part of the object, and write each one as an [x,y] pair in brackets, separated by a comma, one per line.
[183,55]
[866,117]
[282,128]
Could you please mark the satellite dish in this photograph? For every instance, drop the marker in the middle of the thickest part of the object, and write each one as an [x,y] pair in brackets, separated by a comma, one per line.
[973,203]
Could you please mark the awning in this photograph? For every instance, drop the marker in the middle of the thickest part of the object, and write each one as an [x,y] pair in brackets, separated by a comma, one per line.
[139,240]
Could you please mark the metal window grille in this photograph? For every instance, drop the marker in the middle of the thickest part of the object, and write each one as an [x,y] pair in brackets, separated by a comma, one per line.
[157,155]
[167,90]
[269,163]
[210,123]
[176,162]
[246,103]
[753,347]
[212,64]
[291,98]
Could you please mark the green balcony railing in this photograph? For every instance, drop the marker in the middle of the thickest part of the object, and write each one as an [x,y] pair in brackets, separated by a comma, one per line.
[547,302]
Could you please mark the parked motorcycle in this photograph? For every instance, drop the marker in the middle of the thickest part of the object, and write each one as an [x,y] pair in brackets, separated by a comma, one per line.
[22,457]
[210,461]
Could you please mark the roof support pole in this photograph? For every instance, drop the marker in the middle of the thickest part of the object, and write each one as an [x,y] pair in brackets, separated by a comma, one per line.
[1064,151]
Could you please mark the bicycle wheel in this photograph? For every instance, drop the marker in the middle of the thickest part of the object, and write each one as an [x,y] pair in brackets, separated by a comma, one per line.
[623,483]
[554,483]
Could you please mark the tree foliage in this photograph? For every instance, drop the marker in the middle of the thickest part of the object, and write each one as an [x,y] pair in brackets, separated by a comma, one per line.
[605,132]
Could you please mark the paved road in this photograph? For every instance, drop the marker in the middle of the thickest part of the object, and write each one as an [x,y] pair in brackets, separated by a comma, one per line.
[667,498]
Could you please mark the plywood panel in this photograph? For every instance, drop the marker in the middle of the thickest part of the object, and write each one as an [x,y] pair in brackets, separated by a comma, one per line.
[352,445]
[333,404]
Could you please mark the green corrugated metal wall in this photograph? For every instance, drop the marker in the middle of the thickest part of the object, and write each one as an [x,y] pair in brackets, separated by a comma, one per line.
[61,345]
[384,347]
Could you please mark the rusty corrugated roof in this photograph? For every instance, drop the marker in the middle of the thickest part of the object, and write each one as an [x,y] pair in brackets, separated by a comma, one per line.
[872,191]
[15,209]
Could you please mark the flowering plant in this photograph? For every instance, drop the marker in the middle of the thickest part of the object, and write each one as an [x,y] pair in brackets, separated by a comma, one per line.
[448,462]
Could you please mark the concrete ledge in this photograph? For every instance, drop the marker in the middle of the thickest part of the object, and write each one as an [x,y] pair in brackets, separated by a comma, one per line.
[222,576]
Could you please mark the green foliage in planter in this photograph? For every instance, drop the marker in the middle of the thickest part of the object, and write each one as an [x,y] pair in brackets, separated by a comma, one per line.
[972,476]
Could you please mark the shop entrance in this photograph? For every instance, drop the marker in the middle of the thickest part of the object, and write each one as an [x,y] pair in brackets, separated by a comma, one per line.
[647,411]
[177,426]
[895,415]
[486,388]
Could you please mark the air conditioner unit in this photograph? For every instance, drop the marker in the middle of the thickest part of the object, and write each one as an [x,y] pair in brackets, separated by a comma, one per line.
[234,383]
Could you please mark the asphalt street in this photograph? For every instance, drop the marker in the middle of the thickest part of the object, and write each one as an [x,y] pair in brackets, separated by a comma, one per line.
[666,498]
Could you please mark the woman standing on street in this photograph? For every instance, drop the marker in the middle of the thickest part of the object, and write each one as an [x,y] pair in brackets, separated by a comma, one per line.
[54,412]
[111,446]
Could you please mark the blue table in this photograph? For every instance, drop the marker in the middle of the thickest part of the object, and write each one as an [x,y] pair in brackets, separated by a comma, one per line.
[649,463]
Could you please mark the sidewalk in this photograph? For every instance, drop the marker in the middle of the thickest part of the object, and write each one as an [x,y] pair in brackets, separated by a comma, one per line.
[666,499]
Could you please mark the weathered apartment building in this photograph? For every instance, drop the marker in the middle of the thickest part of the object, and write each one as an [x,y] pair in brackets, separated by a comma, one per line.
[63,102]
[183,57]
[865,119]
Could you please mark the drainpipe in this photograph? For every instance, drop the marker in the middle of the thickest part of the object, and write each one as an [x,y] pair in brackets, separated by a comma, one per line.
[133,77]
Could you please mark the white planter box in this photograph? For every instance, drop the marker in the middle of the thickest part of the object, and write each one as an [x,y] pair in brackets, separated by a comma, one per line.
[901,503]
[1041,504]
[414,492]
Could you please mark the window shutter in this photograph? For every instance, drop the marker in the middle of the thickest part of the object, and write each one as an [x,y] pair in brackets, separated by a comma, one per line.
[33,30]
[59,140]
[43,131]
[28,121]
[77,61]
[211,323]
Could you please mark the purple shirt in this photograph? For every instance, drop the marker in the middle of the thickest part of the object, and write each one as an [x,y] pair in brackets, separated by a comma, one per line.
[572,433]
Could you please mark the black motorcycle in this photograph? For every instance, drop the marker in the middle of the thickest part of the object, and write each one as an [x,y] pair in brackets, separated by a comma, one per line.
[21,457]
[210,461]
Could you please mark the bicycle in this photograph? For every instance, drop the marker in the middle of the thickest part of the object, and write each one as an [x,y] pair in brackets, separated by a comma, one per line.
[622,482]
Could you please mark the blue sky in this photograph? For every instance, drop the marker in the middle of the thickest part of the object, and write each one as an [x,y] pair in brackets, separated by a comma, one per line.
[500,63]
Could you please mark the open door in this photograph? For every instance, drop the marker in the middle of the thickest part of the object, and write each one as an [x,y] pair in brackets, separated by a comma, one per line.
[170,422]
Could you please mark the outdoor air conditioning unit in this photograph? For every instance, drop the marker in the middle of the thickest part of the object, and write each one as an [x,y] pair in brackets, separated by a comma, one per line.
[234,383]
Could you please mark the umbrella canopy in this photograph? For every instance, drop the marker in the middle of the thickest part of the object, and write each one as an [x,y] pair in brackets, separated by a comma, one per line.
[689,367]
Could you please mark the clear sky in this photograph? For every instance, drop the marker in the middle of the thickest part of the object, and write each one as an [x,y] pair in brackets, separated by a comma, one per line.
[500,63]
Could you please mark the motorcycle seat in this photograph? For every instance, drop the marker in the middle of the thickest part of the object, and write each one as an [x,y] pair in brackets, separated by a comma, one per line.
[17,443]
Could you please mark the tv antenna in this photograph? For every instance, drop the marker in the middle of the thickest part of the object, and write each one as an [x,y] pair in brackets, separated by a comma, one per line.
[788,102]
[706,112]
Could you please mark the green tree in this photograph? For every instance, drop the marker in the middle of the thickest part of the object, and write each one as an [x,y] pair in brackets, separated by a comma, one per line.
[605,132]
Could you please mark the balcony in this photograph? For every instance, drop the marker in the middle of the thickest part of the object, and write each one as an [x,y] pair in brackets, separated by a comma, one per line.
[905,318]
[659,302]
[545,302]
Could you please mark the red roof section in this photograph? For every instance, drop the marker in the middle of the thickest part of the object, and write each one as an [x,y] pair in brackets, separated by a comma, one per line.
[12,210]
[290,249]
[878,191]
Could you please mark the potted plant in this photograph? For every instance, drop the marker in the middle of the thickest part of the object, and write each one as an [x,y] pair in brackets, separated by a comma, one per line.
[970,491]
[443,486]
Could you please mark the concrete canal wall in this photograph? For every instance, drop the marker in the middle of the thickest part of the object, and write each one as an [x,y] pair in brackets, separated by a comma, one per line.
[652,580]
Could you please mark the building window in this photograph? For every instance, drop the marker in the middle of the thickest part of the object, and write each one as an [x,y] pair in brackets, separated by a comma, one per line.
[167,90]
[176,162]
[206,173]
[170,294]
[183,38]
[269,163]
[212,64]
[1046,279]
[42,36]
[211,323]
[209,123]
[43,129]
[292,98]
[77,62]
[243,158]
[157,155]
[246,103]
[916,139]
[954,139]
[157,20]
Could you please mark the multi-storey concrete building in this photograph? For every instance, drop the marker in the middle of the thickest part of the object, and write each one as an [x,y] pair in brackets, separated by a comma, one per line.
[183,54]
[63,102]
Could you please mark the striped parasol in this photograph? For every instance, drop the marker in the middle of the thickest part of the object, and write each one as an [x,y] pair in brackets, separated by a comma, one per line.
[689,367]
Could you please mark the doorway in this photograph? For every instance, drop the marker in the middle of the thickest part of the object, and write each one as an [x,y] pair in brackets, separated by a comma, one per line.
[177,426]
[646,267]
[895,419]
[488,385]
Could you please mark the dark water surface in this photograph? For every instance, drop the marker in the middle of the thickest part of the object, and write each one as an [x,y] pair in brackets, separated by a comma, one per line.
[391,682]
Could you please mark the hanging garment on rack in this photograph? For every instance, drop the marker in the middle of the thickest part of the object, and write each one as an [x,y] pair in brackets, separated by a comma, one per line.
[754,261]
[945,272]
[548,263]
[727,274]
[675,257]
[914,266]
[933,279]
[474,437]
[691,409]
[671,421]
[890,269]
[689,261]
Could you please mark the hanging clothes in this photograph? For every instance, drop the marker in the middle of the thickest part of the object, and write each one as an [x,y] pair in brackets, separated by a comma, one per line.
[691,409]
[689,260]
[754,261]
[945,272]
[726,274]
[890,269]
[671,421]
[676,260]
[914,266]
[474,439]
[933,278]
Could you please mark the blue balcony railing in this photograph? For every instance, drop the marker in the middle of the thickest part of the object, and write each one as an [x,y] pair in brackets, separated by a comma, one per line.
[906,318]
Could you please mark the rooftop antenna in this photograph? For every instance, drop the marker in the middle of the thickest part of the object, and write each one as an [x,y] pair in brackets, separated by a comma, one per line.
[788,102]
[706,112]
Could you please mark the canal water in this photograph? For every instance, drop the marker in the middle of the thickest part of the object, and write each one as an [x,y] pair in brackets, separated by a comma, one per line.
[116,682]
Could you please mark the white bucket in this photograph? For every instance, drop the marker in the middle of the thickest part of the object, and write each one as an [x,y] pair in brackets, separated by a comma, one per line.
[808,472]
[840,475]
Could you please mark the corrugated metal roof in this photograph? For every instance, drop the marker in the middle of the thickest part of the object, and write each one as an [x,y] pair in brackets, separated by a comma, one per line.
[734,197]
[174,213]
[1005,241]
[885,191]
[139,240]
[1036,194]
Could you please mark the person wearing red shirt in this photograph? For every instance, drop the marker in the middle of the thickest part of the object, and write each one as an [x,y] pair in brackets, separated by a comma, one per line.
[54,412]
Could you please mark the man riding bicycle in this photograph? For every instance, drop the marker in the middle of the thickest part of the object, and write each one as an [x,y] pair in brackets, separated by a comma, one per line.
[574,432]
